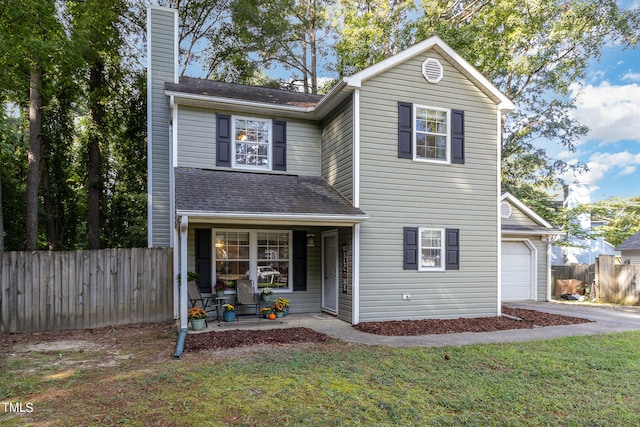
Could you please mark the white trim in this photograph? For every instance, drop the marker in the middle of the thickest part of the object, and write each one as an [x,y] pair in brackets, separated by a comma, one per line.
[176,270]
[533,259]
[355,275]
[356,80]
[269,143]
[237,102]
[443,249]
[173,162]
[499,217]
[242,217]
[356,148]
[414,135]
[184,231]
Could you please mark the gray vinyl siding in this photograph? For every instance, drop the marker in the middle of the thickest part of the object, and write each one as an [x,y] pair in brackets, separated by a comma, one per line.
[400,192]
[196,138]
[161,70]
[519,218]
[337,150]
[541,272]
[197,141]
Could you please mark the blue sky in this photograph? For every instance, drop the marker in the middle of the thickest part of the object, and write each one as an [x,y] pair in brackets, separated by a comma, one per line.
[609,104]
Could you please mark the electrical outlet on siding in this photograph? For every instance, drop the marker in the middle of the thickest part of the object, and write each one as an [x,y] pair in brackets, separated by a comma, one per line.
[406,296]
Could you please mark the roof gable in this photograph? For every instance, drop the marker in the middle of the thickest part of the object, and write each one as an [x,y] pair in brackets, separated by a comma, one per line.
[632,242]
[437,44]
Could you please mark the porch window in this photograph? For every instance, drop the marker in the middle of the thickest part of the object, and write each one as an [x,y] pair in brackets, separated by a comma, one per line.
[261,255]
[232,252]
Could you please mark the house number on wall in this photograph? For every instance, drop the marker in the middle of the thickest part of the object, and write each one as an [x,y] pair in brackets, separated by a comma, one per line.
[344,267]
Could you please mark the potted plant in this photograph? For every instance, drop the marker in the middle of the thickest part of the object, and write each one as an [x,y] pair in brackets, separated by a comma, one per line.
[266,294]
[265,312]
[197,316]
[191,276]
[228,313]
[220,287]
[284,302]
[279,307]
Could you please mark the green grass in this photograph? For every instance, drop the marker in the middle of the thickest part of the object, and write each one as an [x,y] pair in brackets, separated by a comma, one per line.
[575,381]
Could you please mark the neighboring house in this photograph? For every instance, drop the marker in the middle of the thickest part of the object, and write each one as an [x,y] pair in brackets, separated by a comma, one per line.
[581,251]
[630,249]
[377,201]
[526,252]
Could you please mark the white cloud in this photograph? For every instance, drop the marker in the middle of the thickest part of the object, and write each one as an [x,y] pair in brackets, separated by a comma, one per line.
[603,165]
[631,76]
[610,111]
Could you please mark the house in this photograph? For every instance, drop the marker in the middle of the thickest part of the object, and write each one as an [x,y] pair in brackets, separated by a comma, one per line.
[630,249]
[581,250]
[526,252]
[377,201]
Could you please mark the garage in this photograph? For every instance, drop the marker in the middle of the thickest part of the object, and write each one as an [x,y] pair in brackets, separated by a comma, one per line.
[517,277]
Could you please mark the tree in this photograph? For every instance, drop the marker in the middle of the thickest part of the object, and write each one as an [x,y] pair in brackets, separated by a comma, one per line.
[33,41]
[534,52]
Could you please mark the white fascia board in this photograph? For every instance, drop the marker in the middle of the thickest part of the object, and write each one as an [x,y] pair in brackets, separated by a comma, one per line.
[526,209]
[256,218]
[356,80]
[521,233]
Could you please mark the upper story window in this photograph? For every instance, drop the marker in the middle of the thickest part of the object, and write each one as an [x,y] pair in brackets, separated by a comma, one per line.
[251,142]
[431,133]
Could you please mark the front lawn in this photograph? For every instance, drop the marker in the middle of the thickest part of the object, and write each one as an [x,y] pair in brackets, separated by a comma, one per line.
[569,381]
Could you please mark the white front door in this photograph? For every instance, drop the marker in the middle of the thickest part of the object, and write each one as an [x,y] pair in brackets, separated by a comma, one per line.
[330,271]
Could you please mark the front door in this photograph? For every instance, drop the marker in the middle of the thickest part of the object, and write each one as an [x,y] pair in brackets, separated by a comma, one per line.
[330,271]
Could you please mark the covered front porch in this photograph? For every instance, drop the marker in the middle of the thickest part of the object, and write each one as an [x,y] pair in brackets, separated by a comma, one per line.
[299,245]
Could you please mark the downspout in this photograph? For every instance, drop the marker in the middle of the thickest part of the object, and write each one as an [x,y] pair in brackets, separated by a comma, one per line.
[498,214]
[184,227]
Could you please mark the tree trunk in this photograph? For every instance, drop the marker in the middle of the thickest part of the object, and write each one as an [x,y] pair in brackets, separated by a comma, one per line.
[1,221]
[314,51]
[33,165]
[52,235]
[94,178]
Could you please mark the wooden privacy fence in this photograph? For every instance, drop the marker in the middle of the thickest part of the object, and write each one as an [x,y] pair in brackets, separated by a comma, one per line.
[43,291]
[614,283]
[617,283]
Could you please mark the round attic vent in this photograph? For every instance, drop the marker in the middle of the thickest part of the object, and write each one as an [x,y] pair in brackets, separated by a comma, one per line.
[432,70]
[505,210]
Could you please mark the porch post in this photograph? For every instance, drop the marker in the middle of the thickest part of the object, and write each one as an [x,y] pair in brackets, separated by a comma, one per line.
[184,228]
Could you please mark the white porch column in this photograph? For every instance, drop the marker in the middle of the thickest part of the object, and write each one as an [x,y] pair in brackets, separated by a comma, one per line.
[184,228]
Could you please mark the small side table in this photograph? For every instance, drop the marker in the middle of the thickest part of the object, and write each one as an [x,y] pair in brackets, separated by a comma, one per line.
[219,304]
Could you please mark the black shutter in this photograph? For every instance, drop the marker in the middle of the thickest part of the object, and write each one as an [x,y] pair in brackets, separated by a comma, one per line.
[223,140]
[300,260]
[405,130]
[453,248]
[203,258]
[279,145]
[457,136]
[410,250]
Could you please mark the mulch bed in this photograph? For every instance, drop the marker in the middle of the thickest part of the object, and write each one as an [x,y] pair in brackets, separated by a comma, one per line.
[236,338]
[530,319]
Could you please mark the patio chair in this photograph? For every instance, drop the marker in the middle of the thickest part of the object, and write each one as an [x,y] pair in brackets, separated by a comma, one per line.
[245,296]
[208,304]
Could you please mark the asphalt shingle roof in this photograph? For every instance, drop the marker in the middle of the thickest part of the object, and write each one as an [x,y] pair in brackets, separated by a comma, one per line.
[243,92]
[218,191]
[632,242]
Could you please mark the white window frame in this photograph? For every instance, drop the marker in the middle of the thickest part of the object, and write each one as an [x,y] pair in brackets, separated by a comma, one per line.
[442,248]
[415,132]
[234,142]
[253,255]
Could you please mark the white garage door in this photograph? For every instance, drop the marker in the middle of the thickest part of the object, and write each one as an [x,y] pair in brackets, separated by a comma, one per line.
[516,271]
